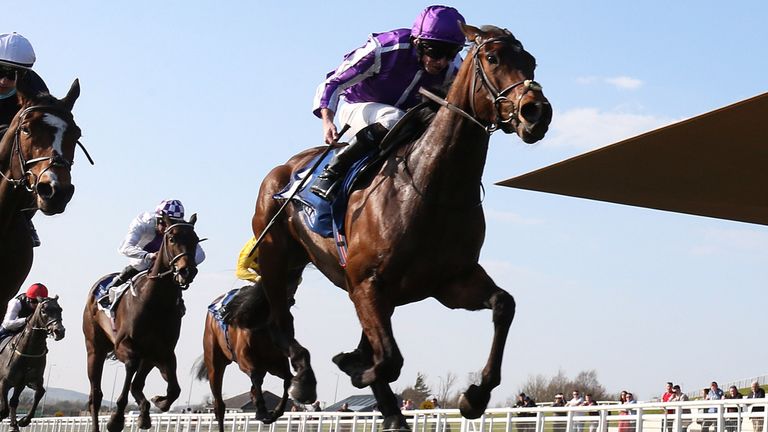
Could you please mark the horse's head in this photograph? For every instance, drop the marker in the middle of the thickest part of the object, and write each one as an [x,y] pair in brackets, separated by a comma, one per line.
[177,254]
[503,93]
[42,139]
[47,317]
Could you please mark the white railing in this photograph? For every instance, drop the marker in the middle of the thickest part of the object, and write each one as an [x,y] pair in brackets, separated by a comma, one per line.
[730,415]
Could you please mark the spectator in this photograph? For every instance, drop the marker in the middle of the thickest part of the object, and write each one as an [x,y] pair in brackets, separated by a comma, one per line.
[679,396]
[524,401]
[714,393]
[665,397]
[407,405]
[435,404]
[757,393]
[589,401]
[629,425]
[559,425]
[576,400]
[732,423]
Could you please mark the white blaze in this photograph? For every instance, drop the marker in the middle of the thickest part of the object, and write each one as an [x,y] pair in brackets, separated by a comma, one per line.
[58,136]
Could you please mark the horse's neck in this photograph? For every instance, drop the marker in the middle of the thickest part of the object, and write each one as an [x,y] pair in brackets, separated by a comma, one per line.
[32,341]
[449,158]
[11,198]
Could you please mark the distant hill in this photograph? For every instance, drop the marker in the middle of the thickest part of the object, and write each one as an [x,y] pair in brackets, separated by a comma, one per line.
[54,394]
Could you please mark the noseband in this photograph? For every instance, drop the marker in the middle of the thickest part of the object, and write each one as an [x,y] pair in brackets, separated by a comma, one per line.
[56,160]
[497,96]
[172,269]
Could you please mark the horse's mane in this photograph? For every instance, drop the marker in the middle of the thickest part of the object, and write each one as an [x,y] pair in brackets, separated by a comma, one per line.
[249,308]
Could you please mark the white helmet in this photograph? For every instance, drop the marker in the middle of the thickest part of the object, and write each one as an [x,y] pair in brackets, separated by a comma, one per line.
[16,51]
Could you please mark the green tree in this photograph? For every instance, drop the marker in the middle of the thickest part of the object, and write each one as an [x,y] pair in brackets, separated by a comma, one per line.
[419,391]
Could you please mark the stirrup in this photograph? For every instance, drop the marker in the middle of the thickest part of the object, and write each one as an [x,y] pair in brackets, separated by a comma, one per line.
[325,187]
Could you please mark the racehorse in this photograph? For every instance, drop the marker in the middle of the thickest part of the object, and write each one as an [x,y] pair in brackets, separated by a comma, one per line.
[146,327]
[414,227]
[22,361]
[246,341]
[36,155]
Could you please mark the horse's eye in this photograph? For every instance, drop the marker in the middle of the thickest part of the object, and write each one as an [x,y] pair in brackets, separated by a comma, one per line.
[492,59]
[171,239]
[24,129]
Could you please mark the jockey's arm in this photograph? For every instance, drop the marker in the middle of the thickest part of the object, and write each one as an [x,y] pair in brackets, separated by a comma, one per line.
[11,321]
[139,228]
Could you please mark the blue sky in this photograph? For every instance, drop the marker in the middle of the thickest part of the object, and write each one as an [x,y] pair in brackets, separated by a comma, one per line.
[199,100]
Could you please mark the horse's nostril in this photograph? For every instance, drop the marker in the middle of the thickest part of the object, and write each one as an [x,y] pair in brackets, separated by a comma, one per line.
[531,112]
[45,190]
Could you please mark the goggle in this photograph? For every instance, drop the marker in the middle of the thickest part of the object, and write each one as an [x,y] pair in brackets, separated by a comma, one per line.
[8,72]
[439,53]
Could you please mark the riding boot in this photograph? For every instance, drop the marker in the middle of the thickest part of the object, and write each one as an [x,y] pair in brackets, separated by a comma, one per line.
[124,276]
[364,141]
[33,232]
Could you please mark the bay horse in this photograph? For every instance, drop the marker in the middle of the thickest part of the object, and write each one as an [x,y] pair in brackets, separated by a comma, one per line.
[414,228]
[36,155]
[246,341]
[22,361]
[146,327]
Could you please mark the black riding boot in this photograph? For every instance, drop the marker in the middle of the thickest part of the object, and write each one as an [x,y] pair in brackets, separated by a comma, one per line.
[124,276]
[33,232]
[364,141]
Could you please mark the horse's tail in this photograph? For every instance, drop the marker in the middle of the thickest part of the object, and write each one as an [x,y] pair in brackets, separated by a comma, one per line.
[200,370]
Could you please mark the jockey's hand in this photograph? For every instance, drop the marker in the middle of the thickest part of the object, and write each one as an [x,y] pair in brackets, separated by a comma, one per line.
[330,134]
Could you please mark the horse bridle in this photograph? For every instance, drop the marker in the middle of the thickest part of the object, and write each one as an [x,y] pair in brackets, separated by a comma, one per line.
[46,329]
[56,160]
[172,269]
[497,96]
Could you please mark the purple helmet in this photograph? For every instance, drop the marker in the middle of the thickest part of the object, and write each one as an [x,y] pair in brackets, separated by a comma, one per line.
[439,23]
[171,208]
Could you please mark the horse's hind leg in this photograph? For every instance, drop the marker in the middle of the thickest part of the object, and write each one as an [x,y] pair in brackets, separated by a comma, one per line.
[257,397]
[168,371]
[477,291]
[97,345]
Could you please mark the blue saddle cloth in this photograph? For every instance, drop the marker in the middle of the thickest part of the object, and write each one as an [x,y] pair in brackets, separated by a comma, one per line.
[102,290]
[325,218]
[218,308]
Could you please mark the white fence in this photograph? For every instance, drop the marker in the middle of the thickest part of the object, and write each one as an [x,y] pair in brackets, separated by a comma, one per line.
[735,415]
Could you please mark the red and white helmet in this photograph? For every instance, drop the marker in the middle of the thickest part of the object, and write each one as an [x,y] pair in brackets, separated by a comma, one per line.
[171,208]
[16,51]
[37,290]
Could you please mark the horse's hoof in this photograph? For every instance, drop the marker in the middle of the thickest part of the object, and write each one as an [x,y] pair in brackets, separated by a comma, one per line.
[25,421]
[116,423]
[13,428]
[473,402]
[145,422]
[4,413]
[395,423]
[351,363]
[162,403]
[304,387]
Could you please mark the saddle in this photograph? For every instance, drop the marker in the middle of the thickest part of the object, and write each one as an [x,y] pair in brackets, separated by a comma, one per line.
[327,218]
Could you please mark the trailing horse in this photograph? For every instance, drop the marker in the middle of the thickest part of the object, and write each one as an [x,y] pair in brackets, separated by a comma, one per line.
[22,360]
[242,336]
[36,155]
[414,227]
[146,327]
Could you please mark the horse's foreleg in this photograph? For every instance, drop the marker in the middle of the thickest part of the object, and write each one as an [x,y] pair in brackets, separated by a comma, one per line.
[375,318]
[13,403]
[117,420]
[257,397]
[386,402]
[216,366]
[4,410]
[168,371]
[137,391]
[39,392]
[280,408]
[476,292]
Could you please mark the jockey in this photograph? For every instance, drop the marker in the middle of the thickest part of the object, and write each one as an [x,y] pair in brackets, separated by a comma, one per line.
[16,59]
[380,80]
[144,238]
[20,308]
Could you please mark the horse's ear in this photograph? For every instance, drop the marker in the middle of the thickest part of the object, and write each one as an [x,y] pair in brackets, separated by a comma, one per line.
[56,298]
[193,219]
[472,33]
[72,95]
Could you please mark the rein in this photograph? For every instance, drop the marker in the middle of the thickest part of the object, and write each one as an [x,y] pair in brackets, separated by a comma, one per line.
[497,96]
[171,260]
[56,160]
